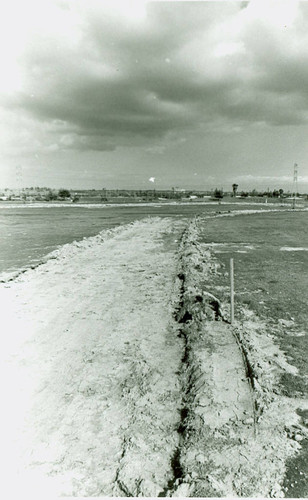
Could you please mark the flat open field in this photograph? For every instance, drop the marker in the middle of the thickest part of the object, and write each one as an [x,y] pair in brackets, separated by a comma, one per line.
[30,231]
[270,253]
[124,376]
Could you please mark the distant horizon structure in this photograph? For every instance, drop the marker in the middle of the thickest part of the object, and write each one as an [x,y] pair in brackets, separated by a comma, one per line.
[295,183]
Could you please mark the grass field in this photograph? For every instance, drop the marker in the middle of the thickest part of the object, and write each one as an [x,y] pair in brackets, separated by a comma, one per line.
[271,276]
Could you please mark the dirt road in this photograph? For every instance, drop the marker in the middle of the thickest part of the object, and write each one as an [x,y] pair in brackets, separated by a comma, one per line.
[122,377]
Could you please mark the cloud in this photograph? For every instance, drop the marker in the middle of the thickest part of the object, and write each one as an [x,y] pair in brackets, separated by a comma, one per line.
[95,75]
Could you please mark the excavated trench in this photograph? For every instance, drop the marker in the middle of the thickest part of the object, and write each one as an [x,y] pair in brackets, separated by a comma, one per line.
[225,399]
[182,317]
[197,308]
[231,433]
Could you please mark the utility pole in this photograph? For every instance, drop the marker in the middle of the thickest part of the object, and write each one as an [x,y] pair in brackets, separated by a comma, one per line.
[295,185]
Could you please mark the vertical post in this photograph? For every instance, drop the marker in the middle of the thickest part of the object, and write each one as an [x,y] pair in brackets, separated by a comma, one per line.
[232,290]
[295,186]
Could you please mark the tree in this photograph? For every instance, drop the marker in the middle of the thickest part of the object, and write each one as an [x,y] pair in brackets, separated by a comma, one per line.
[64,193]
[234,189]
[50,195]
[218,194]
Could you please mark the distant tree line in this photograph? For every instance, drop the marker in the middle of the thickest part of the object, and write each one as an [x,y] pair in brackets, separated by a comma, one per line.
[105,195]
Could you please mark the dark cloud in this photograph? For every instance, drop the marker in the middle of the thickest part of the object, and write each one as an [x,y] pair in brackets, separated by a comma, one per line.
[114,81]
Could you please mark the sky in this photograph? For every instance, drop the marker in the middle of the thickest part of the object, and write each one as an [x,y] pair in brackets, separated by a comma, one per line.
[143,95]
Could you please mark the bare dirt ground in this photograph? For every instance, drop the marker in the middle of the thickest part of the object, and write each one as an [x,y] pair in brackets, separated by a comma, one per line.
[123,376]
[92,359]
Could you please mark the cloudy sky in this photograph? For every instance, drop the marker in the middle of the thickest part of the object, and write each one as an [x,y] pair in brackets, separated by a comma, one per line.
[121,94]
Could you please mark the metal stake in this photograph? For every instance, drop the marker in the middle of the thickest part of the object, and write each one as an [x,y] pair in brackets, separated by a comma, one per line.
[232,290]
